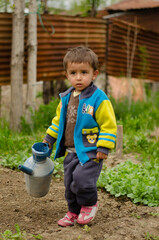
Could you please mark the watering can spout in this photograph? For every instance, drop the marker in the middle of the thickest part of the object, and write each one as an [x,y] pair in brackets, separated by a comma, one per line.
[25,169]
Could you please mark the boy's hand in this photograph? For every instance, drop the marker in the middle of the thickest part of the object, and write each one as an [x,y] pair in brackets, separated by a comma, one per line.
[101,155]
[50,145]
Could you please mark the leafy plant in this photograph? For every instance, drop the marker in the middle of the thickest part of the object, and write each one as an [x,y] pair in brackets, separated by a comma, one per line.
[136,215]
[58,164]
[43,117]
[154,214]
[15,147]
[149,236]
[86,228]
[140,182]
[19,235]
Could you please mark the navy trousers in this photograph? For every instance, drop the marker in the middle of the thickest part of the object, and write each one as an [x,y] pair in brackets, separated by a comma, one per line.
[80,182]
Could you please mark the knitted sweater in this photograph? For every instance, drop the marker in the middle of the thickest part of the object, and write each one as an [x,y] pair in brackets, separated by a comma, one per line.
[71,120]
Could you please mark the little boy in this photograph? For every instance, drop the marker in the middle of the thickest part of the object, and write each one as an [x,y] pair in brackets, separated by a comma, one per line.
[85,130]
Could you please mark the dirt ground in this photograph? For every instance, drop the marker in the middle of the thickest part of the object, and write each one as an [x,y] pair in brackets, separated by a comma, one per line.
[116,219]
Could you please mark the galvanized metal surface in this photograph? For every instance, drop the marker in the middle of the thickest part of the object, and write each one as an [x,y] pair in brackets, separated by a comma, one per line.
[52,46]
[69,32]
[74,31]
[134,4]
[145,62]
[147,17]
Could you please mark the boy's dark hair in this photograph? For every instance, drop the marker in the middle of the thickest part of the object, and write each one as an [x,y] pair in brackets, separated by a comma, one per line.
[81,54]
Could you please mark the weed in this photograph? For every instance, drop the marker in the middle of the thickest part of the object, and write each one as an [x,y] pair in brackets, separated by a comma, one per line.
[149,236]
[19,235]
[37,236]
[154,214]
[86,228]
[135,215]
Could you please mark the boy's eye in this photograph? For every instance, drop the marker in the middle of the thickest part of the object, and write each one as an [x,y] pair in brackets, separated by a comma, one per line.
[84,72]
[73,73]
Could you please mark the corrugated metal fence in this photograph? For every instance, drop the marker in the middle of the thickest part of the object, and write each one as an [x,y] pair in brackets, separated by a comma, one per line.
[146,59]
[57,33]
[67,32]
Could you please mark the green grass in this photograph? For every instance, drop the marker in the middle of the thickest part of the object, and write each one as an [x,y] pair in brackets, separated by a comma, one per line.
[16,147]
[140,182]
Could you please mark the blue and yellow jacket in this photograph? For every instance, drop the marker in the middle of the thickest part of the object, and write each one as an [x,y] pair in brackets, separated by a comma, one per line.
[95,127]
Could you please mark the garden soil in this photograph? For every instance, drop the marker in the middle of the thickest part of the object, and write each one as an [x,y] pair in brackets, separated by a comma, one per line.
[116,219]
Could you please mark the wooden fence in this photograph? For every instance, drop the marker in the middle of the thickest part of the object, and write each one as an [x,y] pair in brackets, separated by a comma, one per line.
[58,33]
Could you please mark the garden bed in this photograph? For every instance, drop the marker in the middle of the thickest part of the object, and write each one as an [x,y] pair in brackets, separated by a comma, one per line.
[116,219]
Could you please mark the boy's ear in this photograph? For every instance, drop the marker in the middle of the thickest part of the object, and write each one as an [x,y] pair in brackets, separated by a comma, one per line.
[65,74]
[95,74]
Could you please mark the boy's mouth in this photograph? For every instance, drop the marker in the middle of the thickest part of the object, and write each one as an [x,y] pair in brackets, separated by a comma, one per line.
[78,84]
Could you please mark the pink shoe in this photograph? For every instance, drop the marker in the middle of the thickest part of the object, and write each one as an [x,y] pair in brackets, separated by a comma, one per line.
[87,214]
[68,220]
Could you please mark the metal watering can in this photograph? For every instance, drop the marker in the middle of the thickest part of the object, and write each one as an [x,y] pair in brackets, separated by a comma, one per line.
[38,170]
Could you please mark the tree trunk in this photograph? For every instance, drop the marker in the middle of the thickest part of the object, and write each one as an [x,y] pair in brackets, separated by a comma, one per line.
[16,109]
[48,90]
[32,60]
[93,10]
[45,6]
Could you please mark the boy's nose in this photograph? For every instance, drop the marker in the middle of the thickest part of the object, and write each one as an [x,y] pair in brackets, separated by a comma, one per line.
[78,76]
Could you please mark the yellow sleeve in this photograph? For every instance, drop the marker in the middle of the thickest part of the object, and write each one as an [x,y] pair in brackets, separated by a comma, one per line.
[54,128]
[106,120]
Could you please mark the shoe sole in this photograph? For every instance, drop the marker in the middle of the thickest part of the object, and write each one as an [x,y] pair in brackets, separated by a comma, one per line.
[65,225]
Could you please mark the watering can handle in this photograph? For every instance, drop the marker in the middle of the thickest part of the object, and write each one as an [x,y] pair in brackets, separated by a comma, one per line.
[46,144]
[50,149]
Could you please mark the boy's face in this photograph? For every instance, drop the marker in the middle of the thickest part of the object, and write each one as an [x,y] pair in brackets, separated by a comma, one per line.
[80,75]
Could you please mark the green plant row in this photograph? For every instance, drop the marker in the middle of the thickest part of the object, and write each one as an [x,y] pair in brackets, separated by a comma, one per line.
[140,182]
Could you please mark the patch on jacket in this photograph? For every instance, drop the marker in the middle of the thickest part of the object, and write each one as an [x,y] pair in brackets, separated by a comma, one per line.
[88,109]
[92,138]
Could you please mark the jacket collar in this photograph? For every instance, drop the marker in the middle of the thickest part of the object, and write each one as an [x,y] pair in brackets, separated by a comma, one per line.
[86,93]
[66,92]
